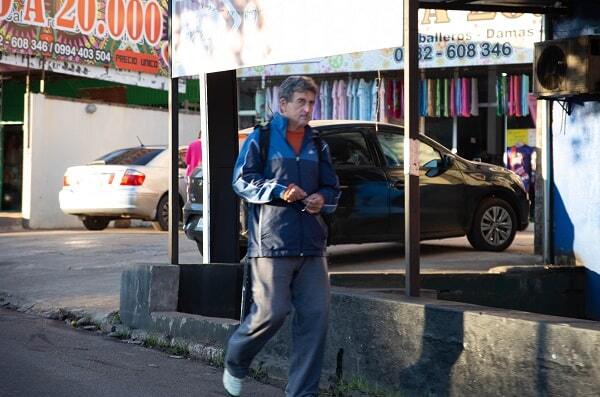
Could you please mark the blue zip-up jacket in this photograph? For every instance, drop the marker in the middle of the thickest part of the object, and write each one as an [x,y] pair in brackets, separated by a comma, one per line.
[275,227]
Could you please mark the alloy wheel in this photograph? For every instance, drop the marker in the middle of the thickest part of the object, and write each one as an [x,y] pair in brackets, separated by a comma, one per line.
[496,225]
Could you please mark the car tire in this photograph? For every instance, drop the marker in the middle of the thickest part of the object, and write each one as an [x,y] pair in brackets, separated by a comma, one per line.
[494,225]
[162,213]
[96,222]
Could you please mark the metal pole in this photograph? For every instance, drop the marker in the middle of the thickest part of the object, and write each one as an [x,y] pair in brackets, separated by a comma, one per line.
[174,153]
[411,148]
[547,165]
[206,177]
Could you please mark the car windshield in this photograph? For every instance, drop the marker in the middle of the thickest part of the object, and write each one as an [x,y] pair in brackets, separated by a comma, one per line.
[131,156]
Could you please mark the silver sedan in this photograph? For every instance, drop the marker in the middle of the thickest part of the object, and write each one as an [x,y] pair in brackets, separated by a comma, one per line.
[130,183]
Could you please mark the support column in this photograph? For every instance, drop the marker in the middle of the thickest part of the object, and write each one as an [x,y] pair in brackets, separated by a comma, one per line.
[412,227]
[174,172]
[221,206]
[173,103]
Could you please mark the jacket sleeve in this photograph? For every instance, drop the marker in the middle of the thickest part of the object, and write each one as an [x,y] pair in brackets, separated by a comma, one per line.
[329,185]
[249,181]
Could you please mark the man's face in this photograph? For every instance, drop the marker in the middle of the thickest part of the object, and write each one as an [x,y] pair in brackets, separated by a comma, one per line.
[298,111]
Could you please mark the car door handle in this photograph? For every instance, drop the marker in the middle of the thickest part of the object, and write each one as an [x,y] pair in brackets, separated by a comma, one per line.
[344,186]
[397,184]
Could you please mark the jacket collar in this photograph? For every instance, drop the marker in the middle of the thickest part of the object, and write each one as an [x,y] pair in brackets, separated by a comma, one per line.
[279,124]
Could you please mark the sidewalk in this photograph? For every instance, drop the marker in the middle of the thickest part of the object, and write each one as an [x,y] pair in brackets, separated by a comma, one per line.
[75,276]
[11,222]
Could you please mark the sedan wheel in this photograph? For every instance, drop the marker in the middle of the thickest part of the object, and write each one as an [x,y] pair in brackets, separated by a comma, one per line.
[95,222]
[162,213]
[494,226]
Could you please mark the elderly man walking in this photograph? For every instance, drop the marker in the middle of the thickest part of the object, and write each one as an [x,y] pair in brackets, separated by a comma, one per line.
[288,185]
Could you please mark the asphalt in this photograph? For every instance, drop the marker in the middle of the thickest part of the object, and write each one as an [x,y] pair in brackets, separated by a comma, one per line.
[77,272]
[42,357]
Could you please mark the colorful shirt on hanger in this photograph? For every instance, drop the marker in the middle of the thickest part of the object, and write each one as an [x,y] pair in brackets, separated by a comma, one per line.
[342,100]
[474,97]
[364,100]
[316,114]
[334,100]
[355,102]
[374,100]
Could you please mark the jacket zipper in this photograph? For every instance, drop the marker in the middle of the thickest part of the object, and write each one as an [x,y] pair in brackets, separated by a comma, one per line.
[300,214]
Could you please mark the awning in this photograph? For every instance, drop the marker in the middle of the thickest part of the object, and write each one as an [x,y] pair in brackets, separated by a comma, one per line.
[526,6]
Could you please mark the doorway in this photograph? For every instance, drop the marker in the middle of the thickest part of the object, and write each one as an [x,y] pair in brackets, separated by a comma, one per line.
[11,167]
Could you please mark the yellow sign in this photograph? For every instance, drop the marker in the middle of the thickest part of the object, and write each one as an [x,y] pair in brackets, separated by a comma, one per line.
[515,136]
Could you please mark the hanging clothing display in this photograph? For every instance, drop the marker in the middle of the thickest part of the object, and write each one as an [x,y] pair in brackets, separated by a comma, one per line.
[342,100]
[316,114]
[383,99]
[374,100]
[524,95]
[474,97]
[512,94]
[334,100]
[382,114]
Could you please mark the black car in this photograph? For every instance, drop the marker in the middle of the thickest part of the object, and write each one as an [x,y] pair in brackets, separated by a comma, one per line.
[485,202]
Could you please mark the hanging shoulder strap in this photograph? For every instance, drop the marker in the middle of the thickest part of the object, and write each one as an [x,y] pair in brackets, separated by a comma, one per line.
[264,140]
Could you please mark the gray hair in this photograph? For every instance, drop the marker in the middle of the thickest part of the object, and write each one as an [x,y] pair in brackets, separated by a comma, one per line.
[296,84]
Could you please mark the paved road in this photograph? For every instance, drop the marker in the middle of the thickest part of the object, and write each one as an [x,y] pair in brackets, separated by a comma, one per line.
[451,255]
[82,270]
[43,357]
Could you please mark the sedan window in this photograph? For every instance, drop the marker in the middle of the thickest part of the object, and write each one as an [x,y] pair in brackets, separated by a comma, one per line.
[348,149]
[131,156]
[427,154]
[392,145]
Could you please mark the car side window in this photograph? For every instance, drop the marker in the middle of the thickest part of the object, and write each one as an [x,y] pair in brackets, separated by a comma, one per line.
[427,154]
[349,149]
[392,145]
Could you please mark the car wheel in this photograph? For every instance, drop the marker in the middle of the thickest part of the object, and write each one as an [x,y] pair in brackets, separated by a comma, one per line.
[494,225]
[162,213]
[95,222]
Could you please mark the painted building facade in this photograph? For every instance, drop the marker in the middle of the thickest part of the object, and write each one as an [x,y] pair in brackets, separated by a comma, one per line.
[576,149]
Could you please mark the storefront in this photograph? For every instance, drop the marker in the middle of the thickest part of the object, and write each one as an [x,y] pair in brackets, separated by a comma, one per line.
[474,92]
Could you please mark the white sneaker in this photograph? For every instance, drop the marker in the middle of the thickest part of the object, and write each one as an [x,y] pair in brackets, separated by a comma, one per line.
[232,385]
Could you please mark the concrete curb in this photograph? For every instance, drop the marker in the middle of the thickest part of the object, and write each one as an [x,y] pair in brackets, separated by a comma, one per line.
[103,320]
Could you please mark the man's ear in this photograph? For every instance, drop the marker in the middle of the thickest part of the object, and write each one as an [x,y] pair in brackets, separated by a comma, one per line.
[282,104]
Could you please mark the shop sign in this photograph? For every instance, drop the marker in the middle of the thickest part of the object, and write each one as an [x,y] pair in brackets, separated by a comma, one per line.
[522,136]
[24,62]
[129,35]
[446,39]
[213,35]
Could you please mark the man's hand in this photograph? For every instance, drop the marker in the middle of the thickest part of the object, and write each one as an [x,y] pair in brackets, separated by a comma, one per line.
[314,203]
[293,193]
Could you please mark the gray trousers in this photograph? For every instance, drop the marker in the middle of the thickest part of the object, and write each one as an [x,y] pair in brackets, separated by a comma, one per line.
[277,284]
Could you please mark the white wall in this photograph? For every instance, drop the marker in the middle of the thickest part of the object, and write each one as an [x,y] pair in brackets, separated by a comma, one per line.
[62,134]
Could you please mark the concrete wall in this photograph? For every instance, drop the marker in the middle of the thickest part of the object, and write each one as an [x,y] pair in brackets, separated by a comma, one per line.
[416,347]
[59,134]
[576,144]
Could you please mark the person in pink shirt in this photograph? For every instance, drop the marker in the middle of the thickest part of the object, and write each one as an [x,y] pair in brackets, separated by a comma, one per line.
[193,156]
